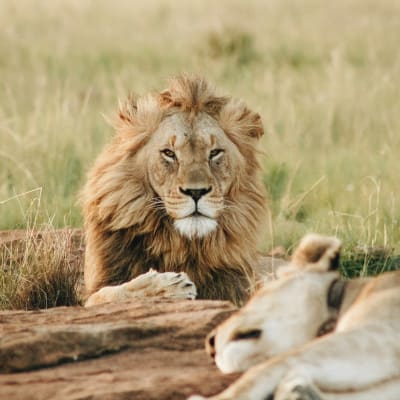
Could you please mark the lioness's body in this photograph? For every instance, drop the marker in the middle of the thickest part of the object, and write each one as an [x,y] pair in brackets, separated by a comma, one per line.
[178,190]
[359,360]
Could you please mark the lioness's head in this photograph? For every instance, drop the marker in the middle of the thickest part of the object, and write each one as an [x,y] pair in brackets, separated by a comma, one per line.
[285,313]
[195,150]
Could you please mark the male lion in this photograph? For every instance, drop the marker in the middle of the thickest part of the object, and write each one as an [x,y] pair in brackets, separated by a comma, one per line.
[287,321]
[176,197]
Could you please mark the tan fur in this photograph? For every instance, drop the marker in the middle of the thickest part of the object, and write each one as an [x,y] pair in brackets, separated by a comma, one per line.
[152,283]
[131,197]
[276,333]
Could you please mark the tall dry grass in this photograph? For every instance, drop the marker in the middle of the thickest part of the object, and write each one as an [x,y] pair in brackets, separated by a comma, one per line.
[325,76]
[40,269]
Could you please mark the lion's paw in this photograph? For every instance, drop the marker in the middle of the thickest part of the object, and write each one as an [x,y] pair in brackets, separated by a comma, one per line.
[175,285]
[296,388]
[151,284]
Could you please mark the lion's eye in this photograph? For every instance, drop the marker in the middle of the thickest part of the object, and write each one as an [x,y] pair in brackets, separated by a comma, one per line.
[169,154]
[216,152]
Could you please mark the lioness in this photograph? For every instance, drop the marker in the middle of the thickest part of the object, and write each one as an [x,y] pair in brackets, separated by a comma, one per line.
[176,198]
[287,321]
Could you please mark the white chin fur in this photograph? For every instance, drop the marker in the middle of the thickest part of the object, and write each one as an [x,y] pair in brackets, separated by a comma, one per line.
[197,226]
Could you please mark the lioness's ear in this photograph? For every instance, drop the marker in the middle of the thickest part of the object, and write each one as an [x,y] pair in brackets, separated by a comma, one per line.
[317,253]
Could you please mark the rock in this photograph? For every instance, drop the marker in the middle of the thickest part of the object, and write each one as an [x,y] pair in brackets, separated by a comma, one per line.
[147,349]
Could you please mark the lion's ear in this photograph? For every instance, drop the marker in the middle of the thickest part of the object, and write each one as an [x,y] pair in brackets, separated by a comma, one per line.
[317,253]
[239,121]
[250,122]
[166,99]
[255,125]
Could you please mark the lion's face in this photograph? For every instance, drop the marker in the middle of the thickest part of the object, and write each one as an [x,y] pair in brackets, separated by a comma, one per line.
[183,164]
[191,166]
[284,314]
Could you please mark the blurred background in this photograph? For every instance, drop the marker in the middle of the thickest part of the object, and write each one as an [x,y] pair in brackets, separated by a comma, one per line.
[325,77]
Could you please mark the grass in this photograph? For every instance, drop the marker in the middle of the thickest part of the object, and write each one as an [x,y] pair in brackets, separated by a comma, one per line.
[324,77]
[40,270]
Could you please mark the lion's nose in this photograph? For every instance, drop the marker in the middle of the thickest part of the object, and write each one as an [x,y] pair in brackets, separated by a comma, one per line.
[195,194]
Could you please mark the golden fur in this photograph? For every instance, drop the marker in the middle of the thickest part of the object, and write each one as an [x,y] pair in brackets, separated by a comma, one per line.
[128,227]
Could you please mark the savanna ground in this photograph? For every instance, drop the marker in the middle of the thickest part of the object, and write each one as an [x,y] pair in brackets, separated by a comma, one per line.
[325,76]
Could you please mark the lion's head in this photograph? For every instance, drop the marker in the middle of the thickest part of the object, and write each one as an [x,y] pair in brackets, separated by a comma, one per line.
[182,177]
[285,313]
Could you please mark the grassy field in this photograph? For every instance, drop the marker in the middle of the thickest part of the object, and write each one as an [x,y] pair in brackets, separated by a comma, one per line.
[325,76]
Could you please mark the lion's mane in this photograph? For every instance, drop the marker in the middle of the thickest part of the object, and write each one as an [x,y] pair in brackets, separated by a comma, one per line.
[125,235]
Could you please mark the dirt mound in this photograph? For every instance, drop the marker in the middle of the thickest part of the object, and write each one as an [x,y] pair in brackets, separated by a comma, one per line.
[149,349]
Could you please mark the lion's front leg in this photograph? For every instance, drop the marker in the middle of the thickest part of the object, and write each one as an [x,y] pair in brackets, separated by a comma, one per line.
[151,284]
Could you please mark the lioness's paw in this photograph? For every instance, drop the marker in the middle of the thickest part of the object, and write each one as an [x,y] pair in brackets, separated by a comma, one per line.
[175,285]
[296,388]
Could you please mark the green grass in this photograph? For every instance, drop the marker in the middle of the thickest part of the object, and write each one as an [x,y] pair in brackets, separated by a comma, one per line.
[324,76]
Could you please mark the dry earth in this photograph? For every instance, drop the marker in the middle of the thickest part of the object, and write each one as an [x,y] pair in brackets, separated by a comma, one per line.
[148,349]
[152,349]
